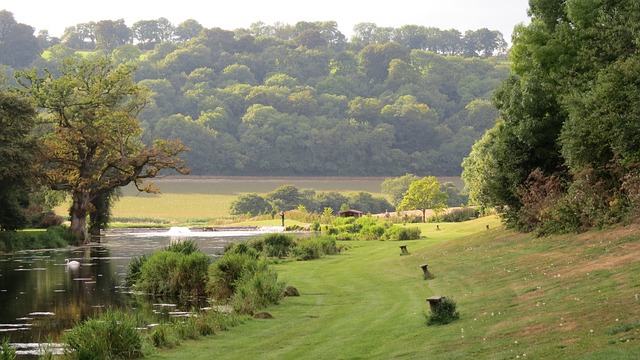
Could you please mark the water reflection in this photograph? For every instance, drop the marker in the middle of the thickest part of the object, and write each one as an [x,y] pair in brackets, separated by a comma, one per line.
[41,295]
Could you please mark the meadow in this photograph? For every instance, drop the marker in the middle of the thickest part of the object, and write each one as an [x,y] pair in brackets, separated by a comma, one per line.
[194,199]
[562,297]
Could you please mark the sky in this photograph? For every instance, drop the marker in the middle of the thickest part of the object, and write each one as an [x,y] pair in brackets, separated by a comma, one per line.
[55,16]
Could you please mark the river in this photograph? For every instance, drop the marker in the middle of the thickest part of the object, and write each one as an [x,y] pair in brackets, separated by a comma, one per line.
[41,295]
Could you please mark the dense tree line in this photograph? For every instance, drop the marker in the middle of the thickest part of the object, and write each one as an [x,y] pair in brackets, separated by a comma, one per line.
[565,152]
[300,99]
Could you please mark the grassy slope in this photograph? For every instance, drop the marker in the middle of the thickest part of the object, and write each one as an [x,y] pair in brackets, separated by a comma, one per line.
[560,297]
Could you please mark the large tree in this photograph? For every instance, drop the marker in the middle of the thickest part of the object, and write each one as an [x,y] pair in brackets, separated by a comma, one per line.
[90,142]
[17,119]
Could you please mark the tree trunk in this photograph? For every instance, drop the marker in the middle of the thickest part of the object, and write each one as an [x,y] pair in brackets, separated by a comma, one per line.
[424,216]
[79,211]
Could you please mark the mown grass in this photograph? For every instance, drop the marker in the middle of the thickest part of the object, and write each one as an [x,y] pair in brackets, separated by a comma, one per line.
[569,297]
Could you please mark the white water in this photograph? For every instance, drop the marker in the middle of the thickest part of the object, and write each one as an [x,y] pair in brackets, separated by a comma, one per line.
[185,232]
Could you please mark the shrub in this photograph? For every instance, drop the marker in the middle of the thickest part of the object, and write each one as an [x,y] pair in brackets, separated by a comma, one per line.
[225,273]
[456,215]
[444,313]
[401,233]
[372,232]
[314,248]
[174,275]
[277,245]
[110,336]
[54,237]
[257,291]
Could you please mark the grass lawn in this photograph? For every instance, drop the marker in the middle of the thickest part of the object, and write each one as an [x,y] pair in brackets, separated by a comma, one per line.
[568,297]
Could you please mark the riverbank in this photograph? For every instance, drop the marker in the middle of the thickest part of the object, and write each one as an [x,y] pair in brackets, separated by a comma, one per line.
[560,297]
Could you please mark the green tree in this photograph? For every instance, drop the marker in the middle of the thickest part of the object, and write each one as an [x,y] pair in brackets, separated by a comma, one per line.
[424,194]
[152,32]
[90,143]
[17,119]
[187,30]
[252,204]
[18,44]
[397,187]
[375,59]
[286,197]
[111,34]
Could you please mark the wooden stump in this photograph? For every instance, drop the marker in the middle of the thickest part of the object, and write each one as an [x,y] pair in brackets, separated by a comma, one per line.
[434,302]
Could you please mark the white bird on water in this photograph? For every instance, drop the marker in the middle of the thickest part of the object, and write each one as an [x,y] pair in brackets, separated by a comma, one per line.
[72,264]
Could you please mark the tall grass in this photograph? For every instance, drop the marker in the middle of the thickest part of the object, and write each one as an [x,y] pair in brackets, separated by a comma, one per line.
[111,336]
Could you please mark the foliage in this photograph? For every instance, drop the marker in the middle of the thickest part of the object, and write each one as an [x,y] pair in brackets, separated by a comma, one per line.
[100,214]
[314,247]
[52,238]
[7,352]
[257,290]
[252,204]
[444,313]
[397,187]
[277,245]
[224,274]
[113,335]
[457,215]
[17,119]
[324,96]
[18,46]
[176,275]
[186,247]
[289,198]
[397,232]
[567,111]
[422,195]
[133,269]
[90,137]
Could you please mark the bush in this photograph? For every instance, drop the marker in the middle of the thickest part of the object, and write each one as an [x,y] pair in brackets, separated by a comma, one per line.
[314,248]
[225,273]
[372,232]
[456,215]
[402,233]
[174,275]
[54,237]
[443,314]
[110,336]
[257,291]
[277,245]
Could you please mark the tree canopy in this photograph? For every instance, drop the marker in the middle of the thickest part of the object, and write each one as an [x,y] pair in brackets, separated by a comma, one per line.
[302,99]
[563,155]
[422,195]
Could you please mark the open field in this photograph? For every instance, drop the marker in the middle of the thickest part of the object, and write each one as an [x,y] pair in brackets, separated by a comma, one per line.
[199,198]
[564,297]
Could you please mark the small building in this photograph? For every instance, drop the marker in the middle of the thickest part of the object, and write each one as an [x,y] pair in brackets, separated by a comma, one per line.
[351,213]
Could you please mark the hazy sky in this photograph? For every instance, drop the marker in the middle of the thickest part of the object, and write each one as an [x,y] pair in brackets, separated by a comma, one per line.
[462,15]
